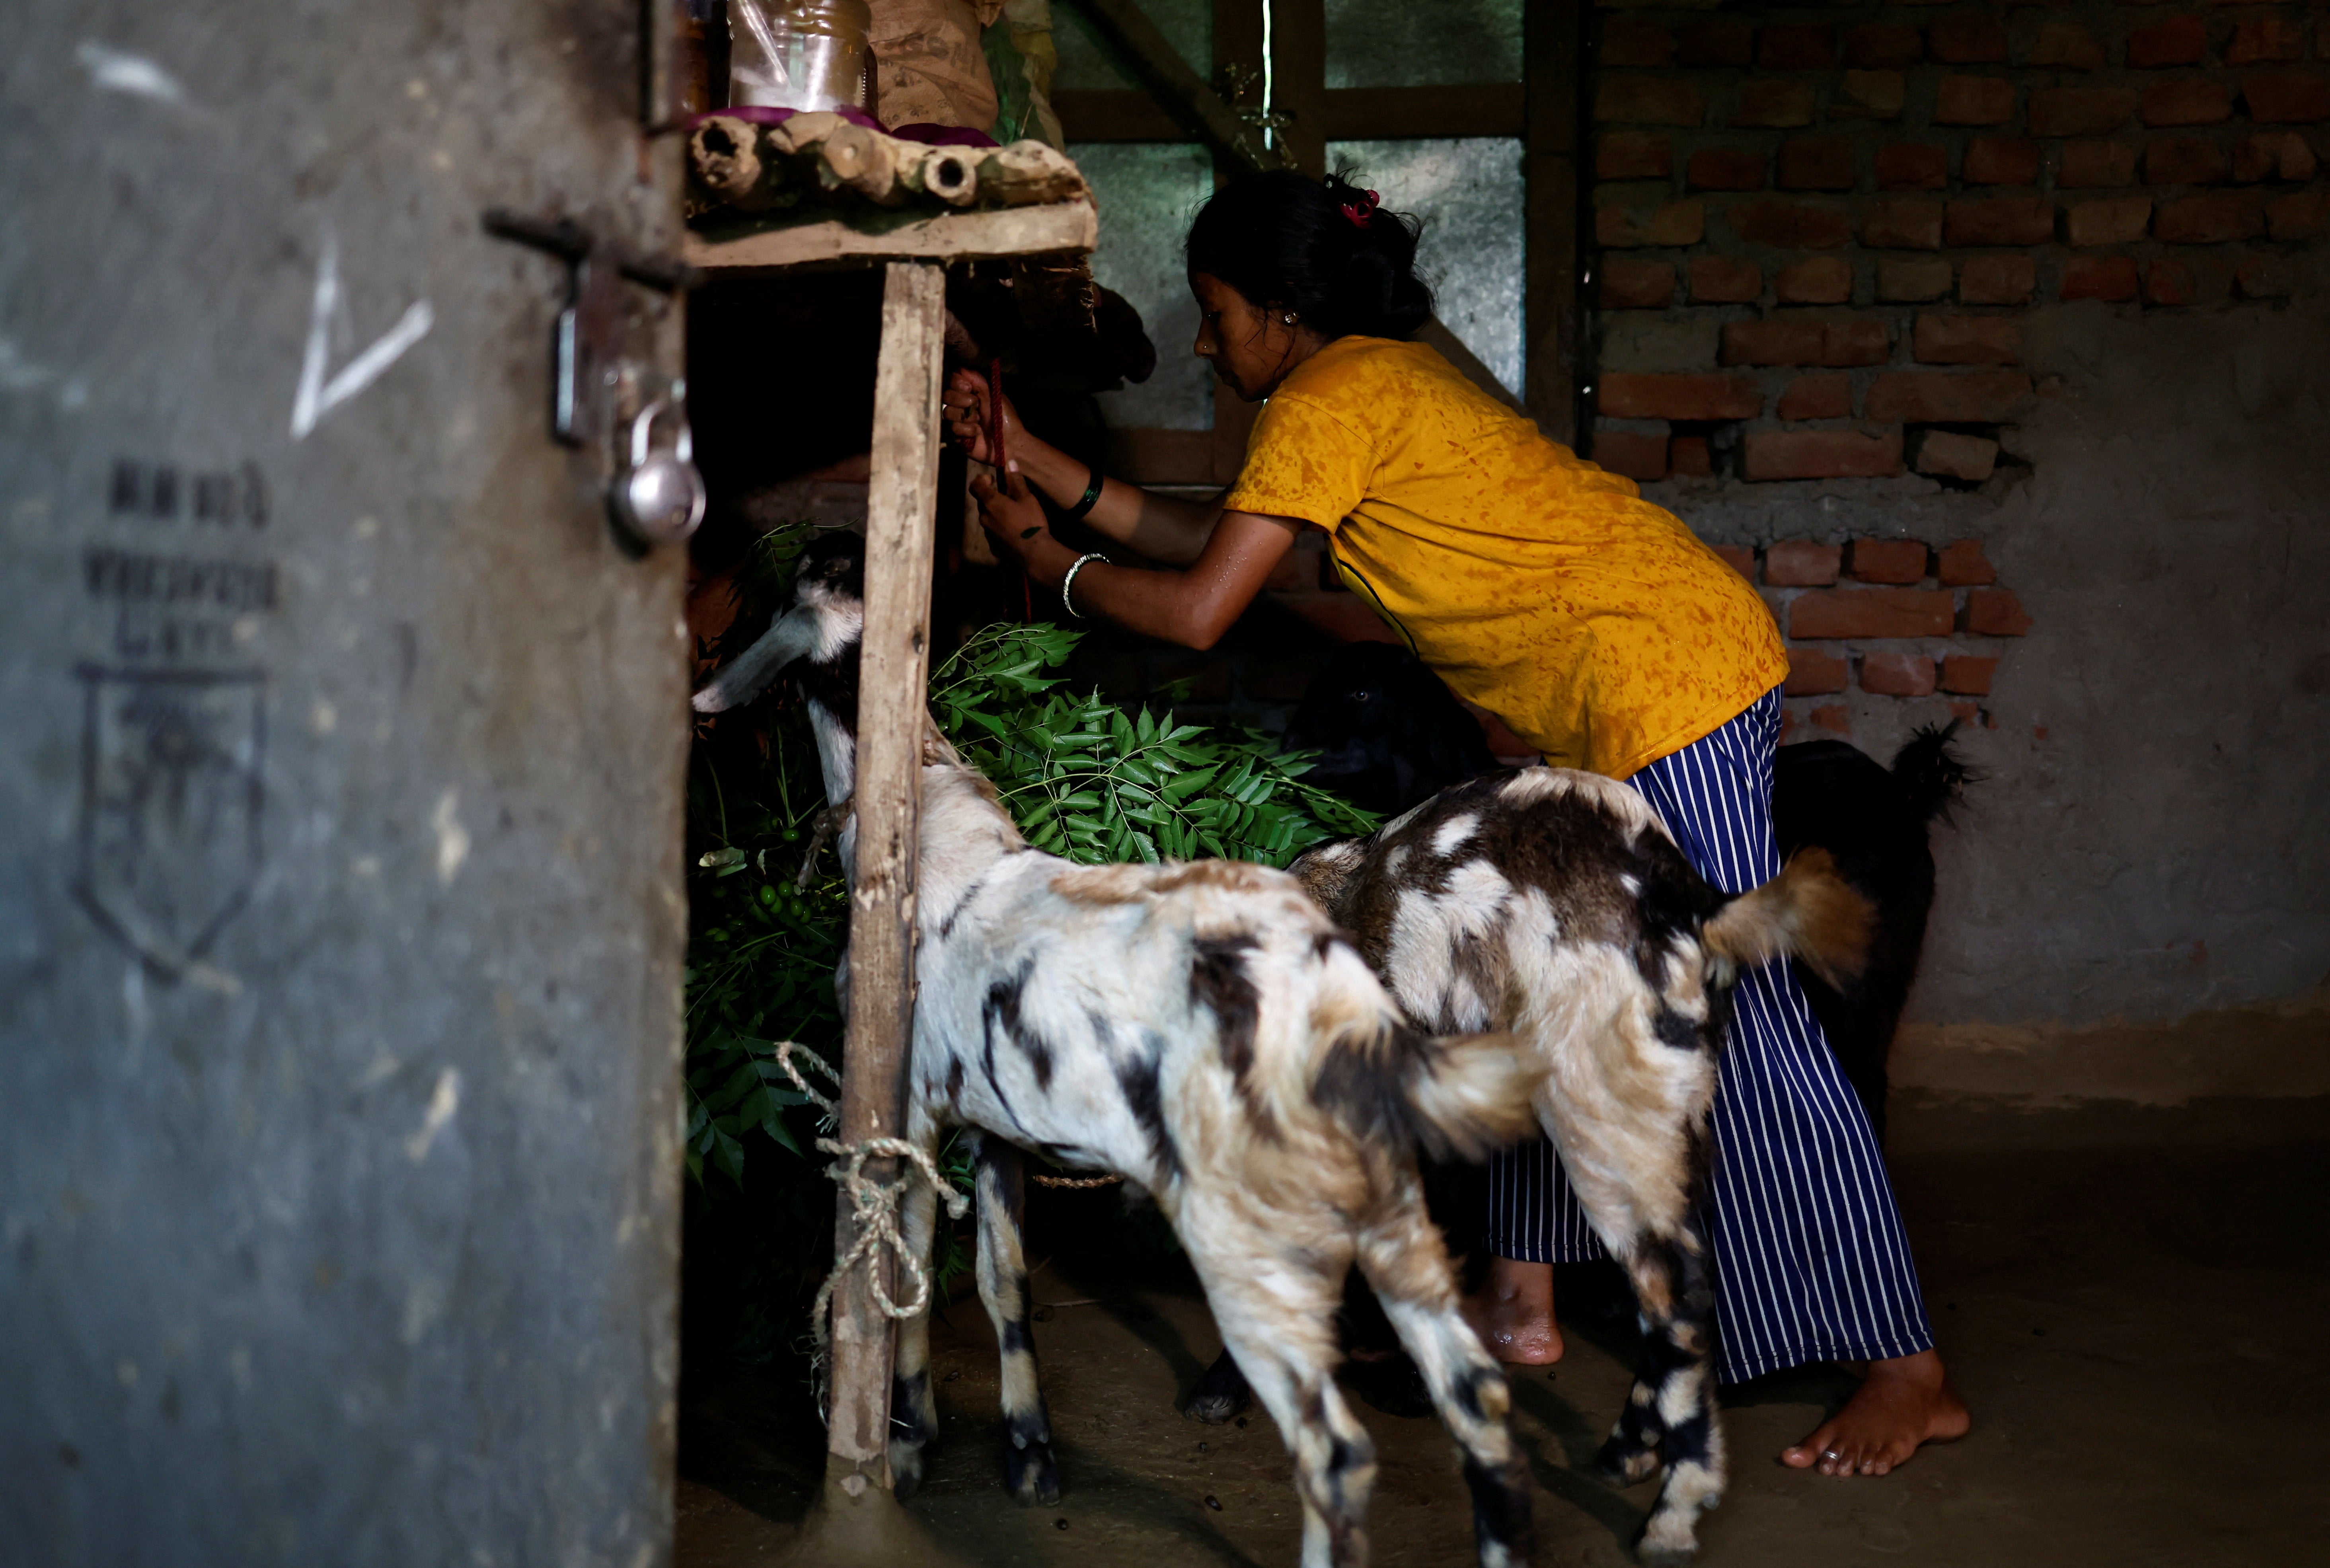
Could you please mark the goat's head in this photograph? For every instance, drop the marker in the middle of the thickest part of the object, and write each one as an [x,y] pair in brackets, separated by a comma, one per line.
[823,624]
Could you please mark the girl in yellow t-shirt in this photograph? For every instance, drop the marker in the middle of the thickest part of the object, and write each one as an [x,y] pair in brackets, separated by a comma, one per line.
[1601,631]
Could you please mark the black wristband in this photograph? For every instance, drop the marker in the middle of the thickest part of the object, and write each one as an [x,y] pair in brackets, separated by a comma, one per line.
[1075,514]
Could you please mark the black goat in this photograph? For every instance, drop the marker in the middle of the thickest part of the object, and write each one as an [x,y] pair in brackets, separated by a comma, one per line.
[1391,736]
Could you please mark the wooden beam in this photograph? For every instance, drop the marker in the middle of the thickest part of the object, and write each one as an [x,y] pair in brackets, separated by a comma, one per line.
[1298,48]
[876,235]
[1491,108]
[1178,88]
[1552,37]
[1115,115]
[902,499]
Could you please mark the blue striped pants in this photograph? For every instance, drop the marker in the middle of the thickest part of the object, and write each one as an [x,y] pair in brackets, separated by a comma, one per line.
[1812,1262]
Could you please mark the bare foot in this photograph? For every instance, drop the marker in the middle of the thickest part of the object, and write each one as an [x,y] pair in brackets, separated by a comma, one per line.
[1901,1404]
[1513,1313]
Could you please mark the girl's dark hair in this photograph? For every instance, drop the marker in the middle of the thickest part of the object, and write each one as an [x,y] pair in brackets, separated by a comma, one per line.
[1286,243]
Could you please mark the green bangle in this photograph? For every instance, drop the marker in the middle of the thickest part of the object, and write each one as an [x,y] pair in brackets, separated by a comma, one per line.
[1075,514]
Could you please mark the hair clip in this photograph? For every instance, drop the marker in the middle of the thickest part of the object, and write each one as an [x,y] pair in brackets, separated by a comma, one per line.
[1359,212]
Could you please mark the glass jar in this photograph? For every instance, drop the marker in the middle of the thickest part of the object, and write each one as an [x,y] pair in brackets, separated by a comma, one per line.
[804,54]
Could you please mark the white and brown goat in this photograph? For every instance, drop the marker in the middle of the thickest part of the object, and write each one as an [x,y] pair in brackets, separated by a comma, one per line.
[1552,905]
[1204,1031]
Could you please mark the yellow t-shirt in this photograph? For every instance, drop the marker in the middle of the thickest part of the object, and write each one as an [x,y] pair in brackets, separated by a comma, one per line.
[1548,591]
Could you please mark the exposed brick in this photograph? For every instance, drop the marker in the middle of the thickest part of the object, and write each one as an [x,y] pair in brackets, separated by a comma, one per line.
[2067,45]
[2179,41]
[1872,612]
[1967,38]
[1633,156]
[1725,40]
[2001,221]
[2266,37]
[1815,280]
[2261,277]
[1637,396]
[1725,280]
[1869,95]
[1961,564]
[1997,279]
[2301,216]
[2183,161]
[2188,100]
[1897,674]
[2100,278]
[1834,717]
[1996,612]
[1912,166]
[1725,169]
[1955,456]
[2113,220]
[1879,47]
[1774,104]
[1911,280]
[2286,97]
[1689,455]
[1968,674]
[1967,339]
[2274,156]
[1626,42]
[2078,111]
[1885,560]
[1833,454]
[1794,340]
[1637,453]
[1649,100]
[1938,397]
[1671,223]
[2002,161]
[1974,100]
[1800,564]
[1738,557]
[2087,165]
[1902,225]
[1815,674]
[2168,281]
[1817,397]
[1792,225]
[1629,283]
[1816,164]
[2210,219]
[1796,46]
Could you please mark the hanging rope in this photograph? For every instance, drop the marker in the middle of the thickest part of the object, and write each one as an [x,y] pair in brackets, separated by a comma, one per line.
[874,1204]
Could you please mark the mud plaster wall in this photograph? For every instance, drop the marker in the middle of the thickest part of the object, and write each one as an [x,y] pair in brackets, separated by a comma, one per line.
[2153,840]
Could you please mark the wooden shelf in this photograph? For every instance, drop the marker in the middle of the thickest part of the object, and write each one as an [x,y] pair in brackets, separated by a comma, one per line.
[879,235]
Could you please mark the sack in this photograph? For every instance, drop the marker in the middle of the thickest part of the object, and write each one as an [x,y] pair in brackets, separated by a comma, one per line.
[928,63]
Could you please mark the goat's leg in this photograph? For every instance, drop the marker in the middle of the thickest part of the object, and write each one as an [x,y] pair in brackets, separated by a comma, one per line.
[1222,1392]
[1673,1403]
[1030,1474]
[914,1407]
[1407,1264]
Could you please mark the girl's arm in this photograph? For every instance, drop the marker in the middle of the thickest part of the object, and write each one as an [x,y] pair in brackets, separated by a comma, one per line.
[1193,607]
[1159,527]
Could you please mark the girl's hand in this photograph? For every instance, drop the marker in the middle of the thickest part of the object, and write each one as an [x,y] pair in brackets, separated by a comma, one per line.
[1011,514]
[964,408]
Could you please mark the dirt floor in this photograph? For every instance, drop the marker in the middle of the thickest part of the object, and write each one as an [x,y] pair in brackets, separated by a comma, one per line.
[2134,1303]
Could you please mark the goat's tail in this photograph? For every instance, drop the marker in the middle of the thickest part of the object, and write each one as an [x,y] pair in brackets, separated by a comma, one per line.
[1807,911]
[1461,1096]
[1931,775]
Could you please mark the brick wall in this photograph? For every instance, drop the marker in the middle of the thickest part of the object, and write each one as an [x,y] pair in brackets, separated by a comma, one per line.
[1821,233]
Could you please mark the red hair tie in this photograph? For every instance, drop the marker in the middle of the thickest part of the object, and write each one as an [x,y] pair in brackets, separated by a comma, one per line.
[1359,212]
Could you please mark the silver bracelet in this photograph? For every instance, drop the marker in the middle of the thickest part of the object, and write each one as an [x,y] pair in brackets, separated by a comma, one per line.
[1069,581]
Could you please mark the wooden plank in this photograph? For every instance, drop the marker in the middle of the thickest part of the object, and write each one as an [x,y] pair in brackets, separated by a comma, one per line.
[1552,40]
[1176,86]
[902,498]
[1489,109]
[882,236]
[1118,115]
[1298,52]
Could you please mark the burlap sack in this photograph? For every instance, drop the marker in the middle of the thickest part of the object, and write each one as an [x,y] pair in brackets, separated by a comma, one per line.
[929,63]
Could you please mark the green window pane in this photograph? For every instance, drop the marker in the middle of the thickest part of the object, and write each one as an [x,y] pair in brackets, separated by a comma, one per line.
[1147,193]
[1087,63]
[1402,43]
[1468,192]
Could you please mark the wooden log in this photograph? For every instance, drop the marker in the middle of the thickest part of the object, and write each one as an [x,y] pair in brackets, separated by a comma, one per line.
[1028,172]
[949,174]
[944,234]
[725,153]
[892,711]
[865,161]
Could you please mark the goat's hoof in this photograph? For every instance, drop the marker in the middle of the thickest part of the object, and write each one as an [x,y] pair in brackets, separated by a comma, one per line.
[1396,1387]
[1031,1475]
[906,1469]
[1625,1464]
[1221,1393]
[1669,1542]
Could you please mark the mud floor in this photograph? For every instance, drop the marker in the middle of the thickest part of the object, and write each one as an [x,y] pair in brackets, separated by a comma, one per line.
[2134,1304]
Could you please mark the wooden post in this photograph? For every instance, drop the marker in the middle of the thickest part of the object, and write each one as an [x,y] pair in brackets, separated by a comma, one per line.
[902,501]
[1553,34]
